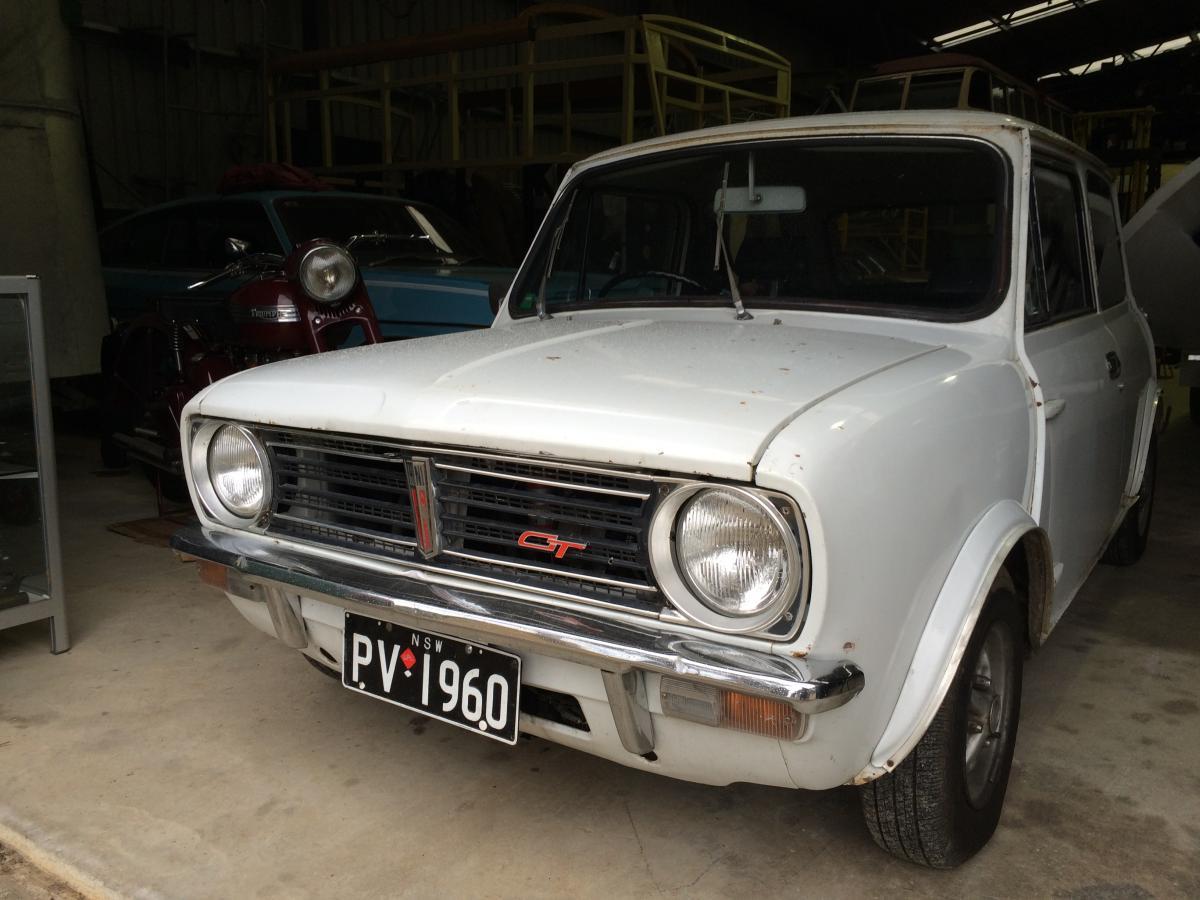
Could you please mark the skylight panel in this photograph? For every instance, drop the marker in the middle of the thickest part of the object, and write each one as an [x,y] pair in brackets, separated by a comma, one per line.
[995,25]
[1120,59]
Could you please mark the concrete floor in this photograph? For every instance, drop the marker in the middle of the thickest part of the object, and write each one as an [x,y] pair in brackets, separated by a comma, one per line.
[177,752]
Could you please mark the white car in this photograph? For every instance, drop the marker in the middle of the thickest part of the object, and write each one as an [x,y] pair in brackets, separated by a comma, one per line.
[791,440]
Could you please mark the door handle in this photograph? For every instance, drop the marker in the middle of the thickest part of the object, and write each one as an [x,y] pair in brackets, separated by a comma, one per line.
[1114,364]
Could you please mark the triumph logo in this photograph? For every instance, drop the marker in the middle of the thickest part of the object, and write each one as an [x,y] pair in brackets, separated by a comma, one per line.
[281,314]
[548,543]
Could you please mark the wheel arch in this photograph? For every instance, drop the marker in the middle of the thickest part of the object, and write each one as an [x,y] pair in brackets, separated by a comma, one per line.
[1005,537]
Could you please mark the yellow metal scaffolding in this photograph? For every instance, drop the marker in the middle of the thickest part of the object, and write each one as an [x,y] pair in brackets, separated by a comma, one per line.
[576,81]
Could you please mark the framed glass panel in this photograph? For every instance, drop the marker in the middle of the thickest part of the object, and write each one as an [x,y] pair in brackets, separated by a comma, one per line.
[1060,243]
[30,558]
[1106,242]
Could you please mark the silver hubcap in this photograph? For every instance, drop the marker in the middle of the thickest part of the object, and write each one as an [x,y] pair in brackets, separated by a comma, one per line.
[988,712]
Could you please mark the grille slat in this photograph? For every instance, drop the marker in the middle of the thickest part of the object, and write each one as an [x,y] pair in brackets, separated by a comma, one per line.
[353,493]
[586,512]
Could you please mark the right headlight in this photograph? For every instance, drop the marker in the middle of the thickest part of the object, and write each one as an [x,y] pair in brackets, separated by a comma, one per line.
[732,553]
[734,561]
[231,473]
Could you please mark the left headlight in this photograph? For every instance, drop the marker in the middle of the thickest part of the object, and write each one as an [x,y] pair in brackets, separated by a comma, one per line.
[231,473]
[327,273]
[734,562]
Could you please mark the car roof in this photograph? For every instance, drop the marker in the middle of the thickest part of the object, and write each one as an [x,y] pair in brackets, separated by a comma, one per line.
[265,197]
[883,122]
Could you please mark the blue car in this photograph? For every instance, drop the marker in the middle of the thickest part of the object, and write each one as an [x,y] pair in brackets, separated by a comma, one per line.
[420,267]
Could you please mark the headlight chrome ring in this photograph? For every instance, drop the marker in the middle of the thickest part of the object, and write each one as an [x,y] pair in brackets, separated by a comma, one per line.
[223,508]
[683,591]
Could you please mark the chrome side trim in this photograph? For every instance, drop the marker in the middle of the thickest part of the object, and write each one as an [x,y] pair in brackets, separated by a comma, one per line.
[809,685]
[549,482]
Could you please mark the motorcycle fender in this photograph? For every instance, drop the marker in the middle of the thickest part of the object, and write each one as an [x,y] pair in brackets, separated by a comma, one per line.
[948,631]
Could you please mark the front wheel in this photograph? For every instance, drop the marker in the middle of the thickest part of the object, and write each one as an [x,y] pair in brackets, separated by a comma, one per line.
[941,804]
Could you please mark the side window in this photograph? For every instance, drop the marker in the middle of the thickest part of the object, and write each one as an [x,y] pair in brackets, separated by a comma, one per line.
[135,243]
[935,90]
[879,93]
[979,91]
[213,222]
[180,247]
[1110,271]
[1058,213]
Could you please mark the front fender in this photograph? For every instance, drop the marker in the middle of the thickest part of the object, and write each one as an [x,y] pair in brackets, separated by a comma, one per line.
[951,621]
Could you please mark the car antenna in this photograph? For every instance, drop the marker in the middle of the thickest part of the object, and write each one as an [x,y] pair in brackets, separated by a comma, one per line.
[721,252]
[558,236]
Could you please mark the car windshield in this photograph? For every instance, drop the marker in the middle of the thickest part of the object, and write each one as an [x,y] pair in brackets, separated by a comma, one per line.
[394,231]
[888,226]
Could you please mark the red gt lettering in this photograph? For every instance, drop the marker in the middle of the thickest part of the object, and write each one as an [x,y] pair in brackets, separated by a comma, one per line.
[547,543]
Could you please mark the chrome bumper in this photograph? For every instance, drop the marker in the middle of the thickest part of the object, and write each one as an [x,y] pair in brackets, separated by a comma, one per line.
[259,569]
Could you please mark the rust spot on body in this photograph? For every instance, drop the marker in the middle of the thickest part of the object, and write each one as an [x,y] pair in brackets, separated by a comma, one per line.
[849,645]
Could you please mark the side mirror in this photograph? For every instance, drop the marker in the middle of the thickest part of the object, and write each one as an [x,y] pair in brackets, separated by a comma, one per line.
[235,247]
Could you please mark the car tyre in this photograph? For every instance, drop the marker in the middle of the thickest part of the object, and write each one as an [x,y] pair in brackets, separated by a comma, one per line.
[941,804]
[1129,543]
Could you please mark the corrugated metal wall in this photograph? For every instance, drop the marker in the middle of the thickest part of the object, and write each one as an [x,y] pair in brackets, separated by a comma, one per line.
[171,91]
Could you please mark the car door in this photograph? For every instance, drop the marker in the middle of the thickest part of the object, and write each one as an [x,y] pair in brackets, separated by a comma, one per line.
[1072,352]
[1134,358]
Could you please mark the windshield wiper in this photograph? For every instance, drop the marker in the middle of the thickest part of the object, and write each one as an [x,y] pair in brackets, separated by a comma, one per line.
[722,252]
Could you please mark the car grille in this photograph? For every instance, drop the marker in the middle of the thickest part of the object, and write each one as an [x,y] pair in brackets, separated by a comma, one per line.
[353,493]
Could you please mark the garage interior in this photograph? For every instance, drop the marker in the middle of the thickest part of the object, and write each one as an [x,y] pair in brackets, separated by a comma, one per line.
[174,751]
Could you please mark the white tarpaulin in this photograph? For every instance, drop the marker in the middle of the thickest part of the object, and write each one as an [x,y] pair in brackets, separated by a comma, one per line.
[1162,244]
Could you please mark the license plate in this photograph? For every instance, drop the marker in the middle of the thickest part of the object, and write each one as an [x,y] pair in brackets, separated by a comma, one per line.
[474,687]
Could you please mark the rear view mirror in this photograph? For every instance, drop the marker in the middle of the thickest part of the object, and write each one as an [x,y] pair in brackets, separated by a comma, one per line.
[757,198]
[760,199]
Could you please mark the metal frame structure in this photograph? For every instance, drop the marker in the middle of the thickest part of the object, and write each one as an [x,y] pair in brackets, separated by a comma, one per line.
[571,89]
[1131,156]
[27,290]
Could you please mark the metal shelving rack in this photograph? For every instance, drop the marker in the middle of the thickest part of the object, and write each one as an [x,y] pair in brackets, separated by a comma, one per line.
[36,594]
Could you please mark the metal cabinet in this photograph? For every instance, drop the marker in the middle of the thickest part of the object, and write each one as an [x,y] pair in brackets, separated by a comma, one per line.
[31,584]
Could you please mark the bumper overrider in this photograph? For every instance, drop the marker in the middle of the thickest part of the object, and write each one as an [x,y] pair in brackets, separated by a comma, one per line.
[259,569]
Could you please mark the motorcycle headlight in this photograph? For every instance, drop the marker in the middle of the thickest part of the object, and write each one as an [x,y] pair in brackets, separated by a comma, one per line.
[230,472]
[327,273]
[735,563]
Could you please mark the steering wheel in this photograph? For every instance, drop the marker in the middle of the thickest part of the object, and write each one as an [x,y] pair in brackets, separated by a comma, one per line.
[649,273]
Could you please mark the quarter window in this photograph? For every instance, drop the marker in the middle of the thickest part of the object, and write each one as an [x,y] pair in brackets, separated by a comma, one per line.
[1110,270]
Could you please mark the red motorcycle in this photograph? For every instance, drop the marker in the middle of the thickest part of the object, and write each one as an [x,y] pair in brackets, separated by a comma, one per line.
[309,302]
